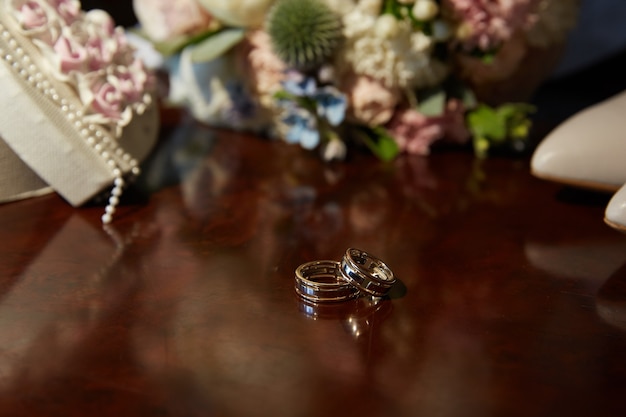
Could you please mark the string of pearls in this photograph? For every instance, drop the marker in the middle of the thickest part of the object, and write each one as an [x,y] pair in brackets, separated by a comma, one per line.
[95,136]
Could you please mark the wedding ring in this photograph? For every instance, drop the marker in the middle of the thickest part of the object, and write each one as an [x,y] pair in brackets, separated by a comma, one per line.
[366,272]
[322,281]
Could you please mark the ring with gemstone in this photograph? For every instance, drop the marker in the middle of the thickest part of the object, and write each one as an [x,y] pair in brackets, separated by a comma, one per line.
[366,272]
[323,281]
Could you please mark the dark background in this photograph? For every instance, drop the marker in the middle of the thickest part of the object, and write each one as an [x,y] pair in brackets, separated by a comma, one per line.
[122,11]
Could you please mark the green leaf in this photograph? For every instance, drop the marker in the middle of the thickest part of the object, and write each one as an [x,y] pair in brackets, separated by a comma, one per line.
[384,146]
[283,95]
[485,122]
[433,102]
[168,47]
[391,7]
[172,46]
[378,141]
[507,111]
[387,149]
[176,44]
[490,126]
[216,45]
[488,57]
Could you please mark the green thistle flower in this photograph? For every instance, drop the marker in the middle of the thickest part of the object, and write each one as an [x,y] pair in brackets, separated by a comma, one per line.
[304,33]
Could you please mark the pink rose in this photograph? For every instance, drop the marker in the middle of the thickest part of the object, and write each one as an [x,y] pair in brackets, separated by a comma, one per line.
[132,81]
[32,16]
[99,24]
[100,53]
[371,102]
[37,19]
[488,24]
[111,96]
[68,10]
[72,56]
[105,43]
[414,132]
[167,19]
[124,51]
[108,100]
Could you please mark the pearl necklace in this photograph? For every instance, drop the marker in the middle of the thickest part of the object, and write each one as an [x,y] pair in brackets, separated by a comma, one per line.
[95,136]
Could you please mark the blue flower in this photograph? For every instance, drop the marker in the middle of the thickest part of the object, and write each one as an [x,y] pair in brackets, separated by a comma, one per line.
[299,85]
[329,102]
[302,127]
[331,105]
[305,104]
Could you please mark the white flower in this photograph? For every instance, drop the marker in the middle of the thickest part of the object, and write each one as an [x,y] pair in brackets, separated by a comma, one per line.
[334,150]
[400,59]
[420,42]
[340,6]
[370,7]
[425,10]
[386,26]
[243,13]
[165,19]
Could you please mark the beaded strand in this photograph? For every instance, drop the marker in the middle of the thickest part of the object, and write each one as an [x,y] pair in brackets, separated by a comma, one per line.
[98,140]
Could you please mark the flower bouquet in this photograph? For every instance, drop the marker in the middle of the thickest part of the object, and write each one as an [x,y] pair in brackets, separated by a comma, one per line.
[390,76]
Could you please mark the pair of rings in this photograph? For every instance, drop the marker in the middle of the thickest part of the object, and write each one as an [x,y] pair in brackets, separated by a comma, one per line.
[358,273]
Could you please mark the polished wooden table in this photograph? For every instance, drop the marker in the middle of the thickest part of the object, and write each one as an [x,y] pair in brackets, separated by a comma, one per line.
[511,298]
